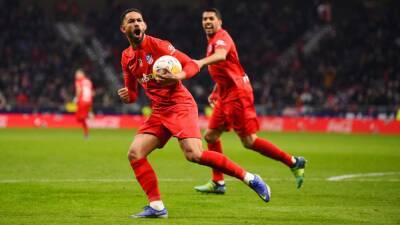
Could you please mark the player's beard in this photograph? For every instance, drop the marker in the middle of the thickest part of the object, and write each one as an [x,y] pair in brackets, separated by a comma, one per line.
[210,35]
[210,31]
[136,36]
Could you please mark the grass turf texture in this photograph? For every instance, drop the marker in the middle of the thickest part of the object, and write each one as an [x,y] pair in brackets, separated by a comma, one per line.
[53,176]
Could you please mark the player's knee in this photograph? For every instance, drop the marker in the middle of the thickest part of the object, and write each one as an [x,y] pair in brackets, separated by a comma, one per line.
[247,144]
[248,141]
[134,154]
[210,137]
[193,156]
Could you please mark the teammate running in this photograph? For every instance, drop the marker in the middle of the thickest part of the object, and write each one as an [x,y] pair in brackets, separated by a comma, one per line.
[233,102]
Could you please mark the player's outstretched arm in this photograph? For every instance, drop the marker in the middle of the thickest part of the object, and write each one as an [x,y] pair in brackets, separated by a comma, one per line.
[189,66]
[219,55]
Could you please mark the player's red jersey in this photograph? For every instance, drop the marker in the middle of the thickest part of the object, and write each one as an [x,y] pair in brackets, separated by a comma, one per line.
[86,94]
[232,81]
[137,67]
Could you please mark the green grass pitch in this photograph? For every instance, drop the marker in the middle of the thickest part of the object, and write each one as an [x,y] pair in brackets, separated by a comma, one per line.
[53,176]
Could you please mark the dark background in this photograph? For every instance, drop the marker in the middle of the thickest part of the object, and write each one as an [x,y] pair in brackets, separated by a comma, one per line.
[302,58]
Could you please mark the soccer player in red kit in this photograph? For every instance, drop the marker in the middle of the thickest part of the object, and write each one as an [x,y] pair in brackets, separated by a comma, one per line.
[233,103]
[174,113]
[84,97]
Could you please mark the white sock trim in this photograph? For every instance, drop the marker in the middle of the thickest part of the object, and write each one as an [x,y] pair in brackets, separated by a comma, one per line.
[220,182]
[248,177]
[157,205]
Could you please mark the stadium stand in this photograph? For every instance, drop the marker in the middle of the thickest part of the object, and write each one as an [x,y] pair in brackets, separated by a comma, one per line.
[350,70]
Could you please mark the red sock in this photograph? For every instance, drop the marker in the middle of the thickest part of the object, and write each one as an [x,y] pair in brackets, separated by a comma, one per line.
[147,178]
[216,147]
[268,149]
[222,163]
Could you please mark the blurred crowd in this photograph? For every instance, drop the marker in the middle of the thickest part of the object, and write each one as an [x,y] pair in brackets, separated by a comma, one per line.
[37,66]
[353,69]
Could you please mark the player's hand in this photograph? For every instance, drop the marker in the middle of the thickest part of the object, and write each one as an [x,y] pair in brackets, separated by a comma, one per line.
[212,100]
[124,95]
[165,77]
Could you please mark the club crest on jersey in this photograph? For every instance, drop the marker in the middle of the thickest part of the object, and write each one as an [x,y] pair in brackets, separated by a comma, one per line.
[149,59]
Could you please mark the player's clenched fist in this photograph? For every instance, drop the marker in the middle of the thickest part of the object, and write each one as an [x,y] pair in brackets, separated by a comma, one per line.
[124,95]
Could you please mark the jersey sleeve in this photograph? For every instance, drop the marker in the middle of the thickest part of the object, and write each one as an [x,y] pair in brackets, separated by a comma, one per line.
[222,41]
[188,65]
[129,81]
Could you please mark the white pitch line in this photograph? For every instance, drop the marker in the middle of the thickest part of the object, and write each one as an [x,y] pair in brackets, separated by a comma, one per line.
[357,175]
[127,180]
[101,180]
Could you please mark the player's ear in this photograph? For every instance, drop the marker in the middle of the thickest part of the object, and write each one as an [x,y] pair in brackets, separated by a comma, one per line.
[122,28]
[145,26]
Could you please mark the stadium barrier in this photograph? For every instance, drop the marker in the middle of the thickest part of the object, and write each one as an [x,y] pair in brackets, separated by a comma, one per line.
[278,124]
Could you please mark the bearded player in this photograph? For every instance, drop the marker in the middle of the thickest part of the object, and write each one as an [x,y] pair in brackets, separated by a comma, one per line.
[233,103]
[174,113]
[84,97]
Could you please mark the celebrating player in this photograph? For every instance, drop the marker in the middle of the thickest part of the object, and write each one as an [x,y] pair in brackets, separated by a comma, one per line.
[174,113]
[233,103]
[84,97]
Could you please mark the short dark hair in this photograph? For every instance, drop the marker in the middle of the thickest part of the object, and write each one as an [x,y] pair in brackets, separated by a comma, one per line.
[214,10]
[80,69]
[128,11]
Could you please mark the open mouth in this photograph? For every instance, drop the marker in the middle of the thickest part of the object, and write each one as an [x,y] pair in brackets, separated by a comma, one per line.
[208,27]
[137,32]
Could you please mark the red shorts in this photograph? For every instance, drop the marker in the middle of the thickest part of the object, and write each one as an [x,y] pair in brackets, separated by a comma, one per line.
[178,121]
[239,114]
[83,110]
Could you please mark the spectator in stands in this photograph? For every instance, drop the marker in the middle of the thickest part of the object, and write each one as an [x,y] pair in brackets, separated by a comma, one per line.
[357,65]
